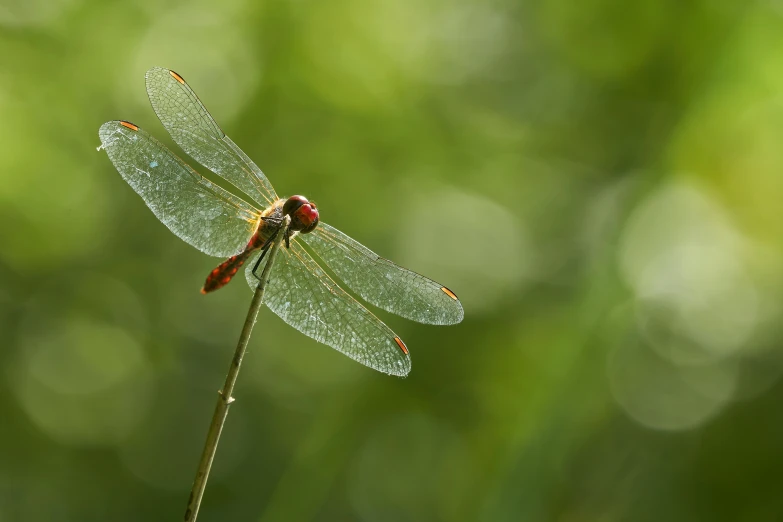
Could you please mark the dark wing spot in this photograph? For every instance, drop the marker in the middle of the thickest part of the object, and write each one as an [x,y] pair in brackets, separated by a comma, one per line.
[449,293]
[129,125]
[177,77]
[401,345]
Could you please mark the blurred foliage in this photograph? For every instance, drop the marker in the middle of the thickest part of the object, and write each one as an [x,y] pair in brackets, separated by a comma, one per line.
[599,181]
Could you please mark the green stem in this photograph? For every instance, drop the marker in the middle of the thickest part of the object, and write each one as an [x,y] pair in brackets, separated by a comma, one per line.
[224,396]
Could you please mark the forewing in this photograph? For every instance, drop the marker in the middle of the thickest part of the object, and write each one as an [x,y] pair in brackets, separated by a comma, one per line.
[194,208]
[305,297]
[383,283]
[194,129]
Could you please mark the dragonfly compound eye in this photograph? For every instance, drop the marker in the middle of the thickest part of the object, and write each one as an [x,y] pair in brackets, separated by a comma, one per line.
[311,227]
[293,204]
[305,219]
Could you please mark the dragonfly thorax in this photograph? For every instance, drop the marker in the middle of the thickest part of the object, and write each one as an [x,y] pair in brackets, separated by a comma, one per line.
[304,214]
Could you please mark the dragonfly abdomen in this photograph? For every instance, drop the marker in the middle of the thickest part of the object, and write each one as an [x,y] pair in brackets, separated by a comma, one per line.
[220,276]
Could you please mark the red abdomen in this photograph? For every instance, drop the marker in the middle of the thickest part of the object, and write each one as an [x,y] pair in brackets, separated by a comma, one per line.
[221,275]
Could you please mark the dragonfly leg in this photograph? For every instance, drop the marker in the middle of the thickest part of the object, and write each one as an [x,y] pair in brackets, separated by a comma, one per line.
[263,253]
[272,220]
[268,244]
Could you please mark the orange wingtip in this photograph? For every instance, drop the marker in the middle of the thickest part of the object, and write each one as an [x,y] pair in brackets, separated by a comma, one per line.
[401,345]
[129,125]
[202,290]
[449,293]
[177,77]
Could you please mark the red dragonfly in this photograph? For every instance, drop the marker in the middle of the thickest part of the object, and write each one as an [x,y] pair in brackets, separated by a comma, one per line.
[222,224]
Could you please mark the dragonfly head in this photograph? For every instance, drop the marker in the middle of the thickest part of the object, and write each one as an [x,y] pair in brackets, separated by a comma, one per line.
[304,214]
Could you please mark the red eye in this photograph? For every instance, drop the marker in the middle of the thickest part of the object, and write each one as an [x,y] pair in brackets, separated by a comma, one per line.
[307,215]
[293,204]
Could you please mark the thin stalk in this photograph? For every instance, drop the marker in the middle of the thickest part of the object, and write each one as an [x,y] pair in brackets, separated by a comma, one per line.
[224,396]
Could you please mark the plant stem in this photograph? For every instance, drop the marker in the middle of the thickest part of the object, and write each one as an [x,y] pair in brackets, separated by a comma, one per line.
[224,396]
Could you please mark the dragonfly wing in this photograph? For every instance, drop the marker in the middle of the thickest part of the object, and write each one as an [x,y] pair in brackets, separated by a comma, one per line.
[383,283]
[195,209]
[305,297]
[193,128]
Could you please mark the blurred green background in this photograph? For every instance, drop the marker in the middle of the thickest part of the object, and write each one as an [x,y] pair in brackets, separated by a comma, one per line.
[599,181]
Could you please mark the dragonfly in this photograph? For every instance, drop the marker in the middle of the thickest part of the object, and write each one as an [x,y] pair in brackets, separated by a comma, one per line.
[240,225]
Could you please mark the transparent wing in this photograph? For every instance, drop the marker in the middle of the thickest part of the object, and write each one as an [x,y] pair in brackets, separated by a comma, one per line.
[383,283]
[195,209]
[194,129]
[305,297]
